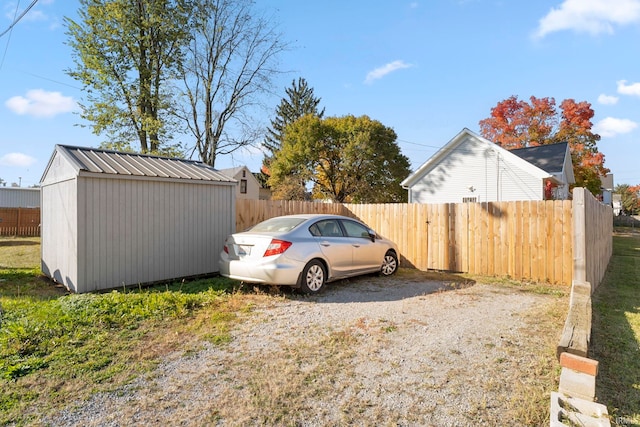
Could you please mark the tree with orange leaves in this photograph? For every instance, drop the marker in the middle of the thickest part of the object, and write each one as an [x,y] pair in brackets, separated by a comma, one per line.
[630,203]
[517,124]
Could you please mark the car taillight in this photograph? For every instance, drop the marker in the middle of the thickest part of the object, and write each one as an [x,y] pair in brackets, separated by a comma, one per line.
[277,247]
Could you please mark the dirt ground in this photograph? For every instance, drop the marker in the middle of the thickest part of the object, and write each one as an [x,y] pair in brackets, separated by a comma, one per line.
[398,351]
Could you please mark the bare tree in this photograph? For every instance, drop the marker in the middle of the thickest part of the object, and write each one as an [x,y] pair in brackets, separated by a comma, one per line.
[231,61]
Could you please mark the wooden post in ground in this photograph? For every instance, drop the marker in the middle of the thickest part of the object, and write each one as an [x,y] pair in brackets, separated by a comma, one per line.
[579,236]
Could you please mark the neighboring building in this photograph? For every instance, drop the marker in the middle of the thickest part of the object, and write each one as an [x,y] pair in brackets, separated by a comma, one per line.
[616,203]
[248,186]
[470,168]
[265,191]
[554,159]
[606,186]
[18,197]
[112,219]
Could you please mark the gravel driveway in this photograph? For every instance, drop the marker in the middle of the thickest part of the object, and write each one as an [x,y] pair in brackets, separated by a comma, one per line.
[401,351]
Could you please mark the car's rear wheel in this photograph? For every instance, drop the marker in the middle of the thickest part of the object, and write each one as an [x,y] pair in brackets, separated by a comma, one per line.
[313,277]
[389,264]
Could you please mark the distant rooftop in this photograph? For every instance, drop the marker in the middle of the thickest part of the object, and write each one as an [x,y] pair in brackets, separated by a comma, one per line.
[550,158]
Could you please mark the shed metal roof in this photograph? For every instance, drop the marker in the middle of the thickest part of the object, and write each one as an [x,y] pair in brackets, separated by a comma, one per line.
[110,162]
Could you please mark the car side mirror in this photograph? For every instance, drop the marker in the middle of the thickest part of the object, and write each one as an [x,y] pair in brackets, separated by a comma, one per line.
[372,235]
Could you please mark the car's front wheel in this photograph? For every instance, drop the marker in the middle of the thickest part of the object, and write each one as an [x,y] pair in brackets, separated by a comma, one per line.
[389,264]
[313,277]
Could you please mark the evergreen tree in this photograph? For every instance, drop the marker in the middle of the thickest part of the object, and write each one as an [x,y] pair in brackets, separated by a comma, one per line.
[299,102]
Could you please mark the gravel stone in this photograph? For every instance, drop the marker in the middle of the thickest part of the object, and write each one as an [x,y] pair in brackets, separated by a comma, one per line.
[425,353]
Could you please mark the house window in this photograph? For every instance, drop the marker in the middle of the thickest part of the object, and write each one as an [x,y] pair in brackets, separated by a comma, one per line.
[243,186]
[469,199]
[244,173]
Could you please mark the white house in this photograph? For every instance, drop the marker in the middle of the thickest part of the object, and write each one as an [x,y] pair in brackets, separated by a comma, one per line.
[248,186]
[606,186]
[112,219]
[616,203]
[470,168]
[554,159]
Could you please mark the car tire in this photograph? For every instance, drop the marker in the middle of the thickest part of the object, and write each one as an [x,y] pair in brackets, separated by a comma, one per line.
[389,264]
[313,277]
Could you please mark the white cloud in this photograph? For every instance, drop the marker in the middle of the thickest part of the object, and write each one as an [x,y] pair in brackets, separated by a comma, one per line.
[610,127]
[607,99]
[17,159]
[35,15]
[625,89]
[40,103]
[380,72]
[12,10]
[589,16]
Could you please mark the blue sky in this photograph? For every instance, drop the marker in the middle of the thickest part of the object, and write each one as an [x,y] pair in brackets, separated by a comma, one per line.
[425,68]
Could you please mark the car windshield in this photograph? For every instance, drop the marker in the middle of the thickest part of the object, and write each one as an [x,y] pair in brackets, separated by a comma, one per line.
[281,225]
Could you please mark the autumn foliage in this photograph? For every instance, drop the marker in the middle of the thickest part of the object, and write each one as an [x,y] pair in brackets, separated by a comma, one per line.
[516,123]
[629,198]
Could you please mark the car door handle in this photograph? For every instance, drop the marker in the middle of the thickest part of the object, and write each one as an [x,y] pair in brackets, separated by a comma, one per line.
[355,245]
[325,244]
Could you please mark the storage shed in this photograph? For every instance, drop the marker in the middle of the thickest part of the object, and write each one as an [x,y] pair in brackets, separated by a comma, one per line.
[112,219]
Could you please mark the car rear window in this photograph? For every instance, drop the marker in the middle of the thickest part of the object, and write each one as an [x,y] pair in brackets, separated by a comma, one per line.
[281,225]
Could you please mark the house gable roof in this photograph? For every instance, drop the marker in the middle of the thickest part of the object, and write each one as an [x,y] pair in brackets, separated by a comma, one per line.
[233,172]
[552,158]
[456,142]
[109,162]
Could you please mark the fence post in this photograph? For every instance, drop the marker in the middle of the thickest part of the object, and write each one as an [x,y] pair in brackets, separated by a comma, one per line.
[19,223]
[579,236]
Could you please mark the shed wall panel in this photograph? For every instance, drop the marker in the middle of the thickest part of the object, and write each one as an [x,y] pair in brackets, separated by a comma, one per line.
[59,257]
[140,231]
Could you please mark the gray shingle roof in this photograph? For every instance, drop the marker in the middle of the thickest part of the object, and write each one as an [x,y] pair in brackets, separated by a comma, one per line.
[120,163]
[550,158]
[231,172]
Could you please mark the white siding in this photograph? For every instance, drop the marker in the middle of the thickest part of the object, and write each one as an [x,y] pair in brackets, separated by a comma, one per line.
[59,229]
[58,170]
[140,231]
[471,169]
[253,186]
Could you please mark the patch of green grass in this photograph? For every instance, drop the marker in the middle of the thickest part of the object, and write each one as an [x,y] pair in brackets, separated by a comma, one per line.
[539,288]
[56,346]
[19,252]
[616,332]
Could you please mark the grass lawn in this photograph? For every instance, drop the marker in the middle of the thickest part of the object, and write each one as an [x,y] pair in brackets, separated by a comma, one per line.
[55,346]
[616,331]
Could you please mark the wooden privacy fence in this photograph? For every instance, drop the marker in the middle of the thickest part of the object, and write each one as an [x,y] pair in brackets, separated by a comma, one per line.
[525,240]
[19,221]
[592,238]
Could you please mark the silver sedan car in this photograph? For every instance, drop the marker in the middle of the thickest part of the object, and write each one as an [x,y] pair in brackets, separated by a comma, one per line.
[306,251]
